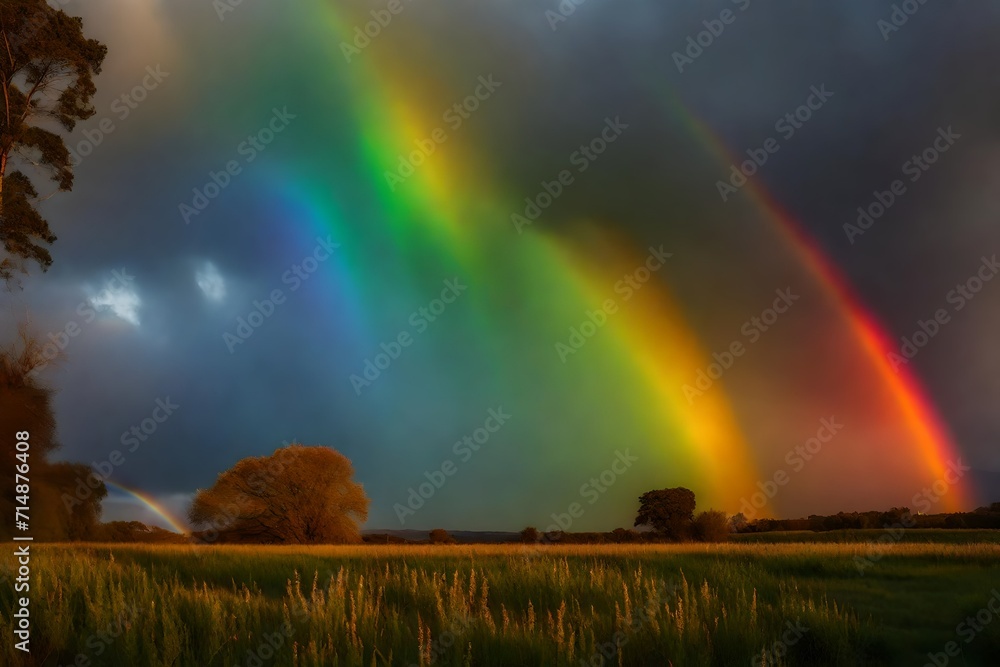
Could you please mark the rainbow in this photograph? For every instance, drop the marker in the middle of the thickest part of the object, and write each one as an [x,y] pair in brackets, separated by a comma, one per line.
[427,223]
[162,512]
[935,446]
[651,343]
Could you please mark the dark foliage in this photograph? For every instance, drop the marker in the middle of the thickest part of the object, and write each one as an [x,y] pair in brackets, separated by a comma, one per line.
[668,511]
[47,68]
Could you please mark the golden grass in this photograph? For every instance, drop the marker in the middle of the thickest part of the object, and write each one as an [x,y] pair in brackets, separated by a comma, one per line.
[689,604]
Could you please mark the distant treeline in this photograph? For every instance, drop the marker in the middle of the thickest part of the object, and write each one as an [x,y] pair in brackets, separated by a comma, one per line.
[617,536]
[983,518]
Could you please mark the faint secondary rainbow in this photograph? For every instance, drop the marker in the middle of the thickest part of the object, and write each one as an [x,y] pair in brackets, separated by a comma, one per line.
[433,211]
[153,505]
[932,440]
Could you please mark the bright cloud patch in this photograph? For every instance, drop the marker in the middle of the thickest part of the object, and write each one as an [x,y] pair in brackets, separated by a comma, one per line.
[210,282]
[123,302]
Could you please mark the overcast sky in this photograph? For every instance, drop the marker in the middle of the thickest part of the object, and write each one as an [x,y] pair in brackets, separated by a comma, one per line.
[164,293]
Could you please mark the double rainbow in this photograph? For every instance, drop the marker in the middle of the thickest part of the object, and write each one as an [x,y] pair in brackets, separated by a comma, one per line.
[450,215]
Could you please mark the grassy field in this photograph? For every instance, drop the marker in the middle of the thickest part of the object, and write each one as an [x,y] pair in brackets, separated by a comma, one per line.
[506,605]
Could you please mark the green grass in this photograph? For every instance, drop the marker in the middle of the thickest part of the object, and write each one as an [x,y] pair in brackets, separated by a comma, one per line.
[504,605]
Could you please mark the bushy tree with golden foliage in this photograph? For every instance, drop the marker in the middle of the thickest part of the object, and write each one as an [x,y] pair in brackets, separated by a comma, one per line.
[297,495]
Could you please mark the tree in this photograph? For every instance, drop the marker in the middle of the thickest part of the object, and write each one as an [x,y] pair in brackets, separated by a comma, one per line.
[25,404]
[711,526]
[25,409]
[530,535]
[895,516]
[63,512]
[738,522]
[58,510]
[297,495]
[669,511]
[620,535]
[47,68]
[441,536]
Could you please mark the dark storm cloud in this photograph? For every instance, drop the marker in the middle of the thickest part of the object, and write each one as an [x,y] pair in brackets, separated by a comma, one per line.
[894,90]
[606,60]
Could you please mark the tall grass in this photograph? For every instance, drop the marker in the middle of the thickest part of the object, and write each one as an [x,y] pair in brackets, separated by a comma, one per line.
[470,605]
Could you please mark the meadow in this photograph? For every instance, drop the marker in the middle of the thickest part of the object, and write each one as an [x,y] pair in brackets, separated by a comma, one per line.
[470,605]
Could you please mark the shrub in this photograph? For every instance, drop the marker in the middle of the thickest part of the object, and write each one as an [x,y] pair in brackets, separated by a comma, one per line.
[530,535]
[711,526]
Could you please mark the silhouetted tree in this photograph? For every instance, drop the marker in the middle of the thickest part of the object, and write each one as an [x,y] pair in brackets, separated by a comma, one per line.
[895,516]
[441,536]
[47,68]
[297,495]
[57,511]
[530,535]
[25,404]
[711,526]
[669,511]
[621,535]
[62,512]
[554,537]
[738,522]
